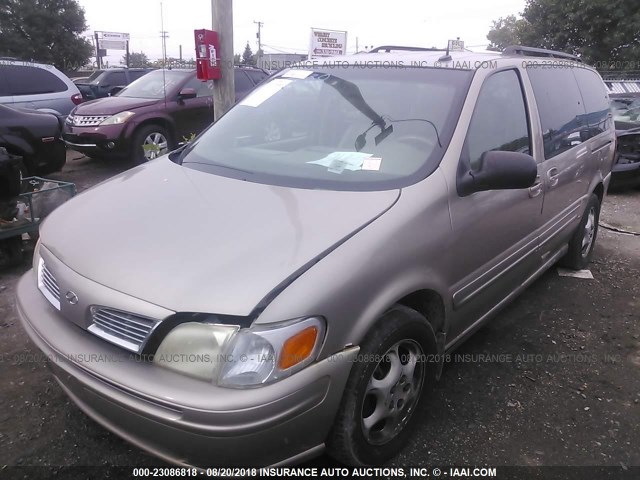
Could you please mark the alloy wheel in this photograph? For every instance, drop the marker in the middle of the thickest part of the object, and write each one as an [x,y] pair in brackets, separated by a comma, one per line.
[392,392]
[589,232]
[155,145]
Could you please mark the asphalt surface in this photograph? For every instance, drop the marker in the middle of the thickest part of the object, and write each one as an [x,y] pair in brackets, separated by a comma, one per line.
[552,380]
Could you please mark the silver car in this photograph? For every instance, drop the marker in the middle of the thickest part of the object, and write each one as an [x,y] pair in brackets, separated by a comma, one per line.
[37,86]
[290,281]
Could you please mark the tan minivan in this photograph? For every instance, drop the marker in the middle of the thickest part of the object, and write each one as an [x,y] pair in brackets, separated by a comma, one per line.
[290,280]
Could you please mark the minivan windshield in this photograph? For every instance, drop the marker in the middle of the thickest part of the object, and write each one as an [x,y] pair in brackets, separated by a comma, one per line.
[154,84]
[341,127]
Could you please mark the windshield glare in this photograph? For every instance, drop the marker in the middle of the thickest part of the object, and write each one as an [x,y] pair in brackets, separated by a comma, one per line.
[154,84]
[336,128]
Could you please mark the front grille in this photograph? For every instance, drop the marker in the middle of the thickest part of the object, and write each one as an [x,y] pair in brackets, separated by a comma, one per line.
[48,285]
[88,120]
[127,330]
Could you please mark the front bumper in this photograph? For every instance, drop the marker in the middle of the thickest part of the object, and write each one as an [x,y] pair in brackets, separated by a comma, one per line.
[101,140]
[189,422]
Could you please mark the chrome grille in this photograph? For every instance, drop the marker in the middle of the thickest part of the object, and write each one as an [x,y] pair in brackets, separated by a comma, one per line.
[88,120]
[48,285]
[127,330]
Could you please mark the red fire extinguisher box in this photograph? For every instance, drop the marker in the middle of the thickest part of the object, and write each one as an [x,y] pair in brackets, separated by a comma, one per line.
[207,55]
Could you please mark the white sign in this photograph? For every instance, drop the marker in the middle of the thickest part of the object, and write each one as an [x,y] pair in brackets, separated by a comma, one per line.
[112,44]
[114,35]
[327,43]
[456,45]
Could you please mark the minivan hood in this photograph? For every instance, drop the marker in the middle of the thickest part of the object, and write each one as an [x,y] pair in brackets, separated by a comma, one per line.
[112,105]
[192,241]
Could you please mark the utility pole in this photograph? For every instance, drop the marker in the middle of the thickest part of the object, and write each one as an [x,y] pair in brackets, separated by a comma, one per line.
[180,55]
[128,60]
[98,59]
[259,36]
[223,88]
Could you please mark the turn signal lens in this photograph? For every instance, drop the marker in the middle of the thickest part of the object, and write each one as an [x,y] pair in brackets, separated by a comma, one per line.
[298,348]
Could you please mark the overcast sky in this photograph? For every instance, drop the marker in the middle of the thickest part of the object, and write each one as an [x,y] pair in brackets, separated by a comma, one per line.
[287,23]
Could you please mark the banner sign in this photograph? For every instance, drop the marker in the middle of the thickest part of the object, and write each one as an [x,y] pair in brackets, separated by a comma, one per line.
[327,43]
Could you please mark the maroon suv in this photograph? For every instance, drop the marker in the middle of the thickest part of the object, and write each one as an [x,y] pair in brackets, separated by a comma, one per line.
[151,116]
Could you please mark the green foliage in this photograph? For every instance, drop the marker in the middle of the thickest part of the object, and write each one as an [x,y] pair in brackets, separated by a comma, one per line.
[506,31]
[600,31]
[46,31]
[137,60]
[247,56]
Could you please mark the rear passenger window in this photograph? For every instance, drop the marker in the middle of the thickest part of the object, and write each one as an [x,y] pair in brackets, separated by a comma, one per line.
[23,80]
[4,87]
[115,79]
[562,114]
[256,75]
[136,75]
[596,100]
[242,83]
[499,120]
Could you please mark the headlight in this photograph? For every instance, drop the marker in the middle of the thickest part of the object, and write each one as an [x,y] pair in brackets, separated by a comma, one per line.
[242,358]
[118,118]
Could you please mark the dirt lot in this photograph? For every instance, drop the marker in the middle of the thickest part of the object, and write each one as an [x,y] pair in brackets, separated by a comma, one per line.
[562,385]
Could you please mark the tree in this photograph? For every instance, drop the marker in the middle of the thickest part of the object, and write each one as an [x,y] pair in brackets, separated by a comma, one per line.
[247,56]
[506,31]
[237,59]
[601,32]
[47,31]
[137,60]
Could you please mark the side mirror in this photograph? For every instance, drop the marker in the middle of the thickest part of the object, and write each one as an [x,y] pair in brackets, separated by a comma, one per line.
[187,93]
[499,171]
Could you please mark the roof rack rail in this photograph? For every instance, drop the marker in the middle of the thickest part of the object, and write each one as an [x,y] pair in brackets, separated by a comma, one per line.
[389,48]
[539,52]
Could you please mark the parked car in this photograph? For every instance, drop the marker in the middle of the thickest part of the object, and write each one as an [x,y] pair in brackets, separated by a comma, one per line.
[151,116]
[37,86]
[35,136]
[88,79]
[103,83]
[626,169]
[273,296]
[9,176]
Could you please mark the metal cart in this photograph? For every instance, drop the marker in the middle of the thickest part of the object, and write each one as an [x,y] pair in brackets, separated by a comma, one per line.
[38,197]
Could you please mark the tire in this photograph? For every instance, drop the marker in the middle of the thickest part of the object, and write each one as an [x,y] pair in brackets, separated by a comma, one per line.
[10,252]
[358,437]
[145,136]
[583,240]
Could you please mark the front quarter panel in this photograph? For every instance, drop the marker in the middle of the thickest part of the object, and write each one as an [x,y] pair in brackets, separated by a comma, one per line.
[401,252]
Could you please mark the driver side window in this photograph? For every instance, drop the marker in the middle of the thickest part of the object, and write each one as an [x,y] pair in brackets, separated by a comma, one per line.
[499,120]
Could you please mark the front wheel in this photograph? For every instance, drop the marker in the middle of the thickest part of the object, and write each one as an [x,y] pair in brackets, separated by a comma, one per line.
[384,389]
[584,239]
[149,143]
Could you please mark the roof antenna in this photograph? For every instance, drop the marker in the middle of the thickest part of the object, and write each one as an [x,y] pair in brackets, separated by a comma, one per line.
[446,57]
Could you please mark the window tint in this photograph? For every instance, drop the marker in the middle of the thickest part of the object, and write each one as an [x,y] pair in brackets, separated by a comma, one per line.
[4,87]
[203,89]
[256,75]
[596,101]
[23,80]
[243,84]
[562,113]
[114,79]
[499,120]
[136,75]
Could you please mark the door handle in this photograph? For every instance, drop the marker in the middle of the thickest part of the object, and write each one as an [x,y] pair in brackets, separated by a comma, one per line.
[535,189]
[553,176]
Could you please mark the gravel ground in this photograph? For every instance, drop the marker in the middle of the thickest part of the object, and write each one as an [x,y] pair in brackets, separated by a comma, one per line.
[564,390]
